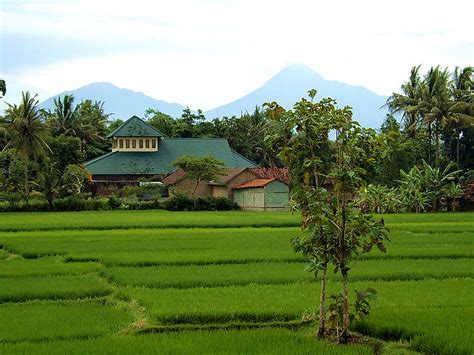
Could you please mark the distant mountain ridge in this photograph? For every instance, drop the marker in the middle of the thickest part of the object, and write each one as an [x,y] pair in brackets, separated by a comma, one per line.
[294,82]
[122,103]
[286,87]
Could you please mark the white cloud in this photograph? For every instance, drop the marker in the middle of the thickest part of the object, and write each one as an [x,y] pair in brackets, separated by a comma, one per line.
[206,53]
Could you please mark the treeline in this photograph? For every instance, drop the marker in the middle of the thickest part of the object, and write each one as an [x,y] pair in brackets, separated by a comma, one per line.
[42,152]
[430,124]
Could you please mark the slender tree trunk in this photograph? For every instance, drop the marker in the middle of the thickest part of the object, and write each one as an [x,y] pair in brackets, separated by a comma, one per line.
[345,274]
[193,194]
[345,306]
[457,146]
[429,144]
[437,143]
[26,183]
[322,304]
[412,126]
[50,203]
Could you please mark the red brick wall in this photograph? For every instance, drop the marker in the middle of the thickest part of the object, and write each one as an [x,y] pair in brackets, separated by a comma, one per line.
[187,186]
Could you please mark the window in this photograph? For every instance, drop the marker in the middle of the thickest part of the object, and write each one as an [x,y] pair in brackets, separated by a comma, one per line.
[147,143]
[153,143]
[127,143]
[134,143]
[120,143]
[140,143]
[114,144]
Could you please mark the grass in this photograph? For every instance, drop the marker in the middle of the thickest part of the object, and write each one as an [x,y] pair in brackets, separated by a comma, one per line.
[142,247]
[190,276]
[53,320]
[44,267]
[19,289]
[261,303]
[91,281]
[100,220]
[432,330]
[208,275]
[260,341]
[3,254]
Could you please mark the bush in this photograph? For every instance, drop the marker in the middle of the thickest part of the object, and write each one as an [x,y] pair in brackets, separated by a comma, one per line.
[71,203]
[179,202]
[33,206]
[210,203]
[182,202]
[114,202]
[81,203]
[145,205]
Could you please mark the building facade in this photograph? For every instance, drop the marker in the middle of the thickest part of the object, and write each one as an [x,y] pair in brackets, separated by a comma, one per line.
[139,150]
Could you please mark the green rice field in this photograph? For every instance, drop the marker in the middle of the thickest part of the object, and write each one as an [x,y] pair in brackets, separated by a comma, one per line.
[140,282]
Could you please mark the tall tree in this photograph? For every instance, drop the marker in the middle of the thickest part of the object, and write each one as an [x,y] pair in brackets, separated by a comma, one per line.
[434,104]
[93,115]
[338,230]
[87,121]
[3,87]
[407,101]
[65,118]
[461,110]
[161,121]
[304,153]
[26,132]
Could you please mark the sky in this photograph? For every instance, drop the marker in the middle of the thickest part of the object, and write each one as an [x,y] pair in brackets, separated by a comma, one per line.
[207,53]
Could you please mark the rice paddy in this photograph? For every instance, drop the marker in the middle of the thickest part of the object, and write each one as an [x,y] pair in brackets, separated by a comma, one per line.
[221,282]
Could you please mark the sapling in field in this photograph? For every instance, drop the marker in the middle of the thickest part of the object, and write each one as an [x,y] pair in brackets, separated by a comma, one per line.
[325,176]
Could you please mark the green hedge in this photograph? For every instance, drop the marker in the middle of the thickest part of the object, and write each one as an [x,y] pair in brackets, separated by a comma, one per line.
[76,203]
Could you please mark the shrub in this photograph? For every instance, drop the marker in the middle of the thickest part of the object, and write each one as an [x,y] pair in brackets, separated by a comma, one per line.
[211,203]
[179,202]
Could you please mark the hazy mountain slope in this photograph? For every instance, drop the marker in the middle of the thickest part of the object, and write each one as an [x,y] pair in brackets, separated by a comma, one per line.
[123,103]
[293,82]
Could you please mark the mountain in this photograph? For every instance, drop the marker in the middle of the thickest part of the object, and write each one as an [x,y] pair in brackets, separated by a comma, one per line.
[122,103]
[293,83]
[286,87]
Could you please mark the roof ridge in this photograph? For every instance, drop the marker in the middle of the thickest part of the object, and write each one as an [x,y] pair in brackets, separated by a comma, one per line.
[134,117]
[99,158]
[195,138]
[245,158]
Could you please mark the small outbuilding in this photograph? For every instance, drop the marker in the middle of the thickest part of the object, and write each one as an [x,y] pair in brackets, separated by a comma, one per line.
[262,195]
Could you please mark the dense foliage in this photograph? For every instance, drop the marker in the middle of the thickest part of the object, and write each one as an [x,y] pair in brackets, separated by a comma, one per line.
[323,189]
[436,130]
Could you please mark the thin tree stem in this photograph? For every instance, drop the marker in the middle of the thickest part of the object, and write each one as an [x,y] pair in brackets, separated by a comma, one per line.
[345,306]
[322,304]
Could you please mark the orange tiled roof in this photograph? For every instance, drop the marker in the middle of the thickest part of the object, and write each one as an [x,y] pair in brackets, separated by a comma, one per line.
[227,174]
[255,183]
[271,173]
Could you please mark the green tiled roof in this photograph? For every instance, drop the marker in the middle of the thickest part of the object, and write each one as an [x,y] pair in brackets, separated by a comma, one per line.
[135,127]
[160,162]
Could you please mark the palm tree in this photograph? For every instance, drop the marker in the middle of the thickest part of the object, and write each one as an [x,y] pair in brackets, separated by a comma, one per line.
[434,105]
[26,131]
[407,101]
[460,115]
[85,121]
[461,110]
[65,118]
[92,114]
[3,87]
[463,84]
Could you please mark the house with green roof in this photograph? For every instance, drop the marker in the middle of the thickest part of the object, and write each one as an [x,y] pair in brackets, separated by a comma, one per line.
[140,150]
